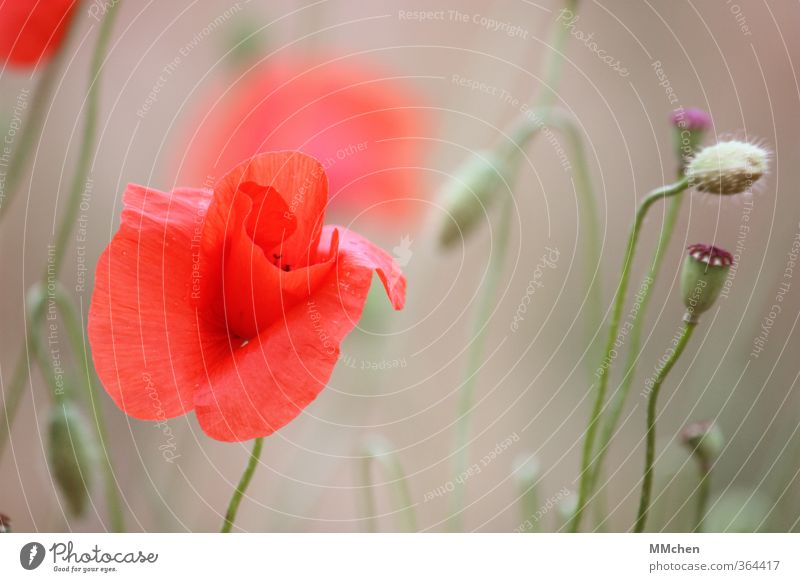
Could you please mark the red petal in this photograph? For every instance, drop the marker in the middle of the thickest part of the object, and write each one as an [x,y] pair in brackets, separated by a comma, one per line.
[142,323]
[267,383]
[31,31]
[301,182]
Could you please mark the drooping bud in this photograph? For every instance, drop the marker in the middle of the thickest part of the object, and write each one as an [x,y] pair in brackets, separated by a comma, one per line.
[728,167]
[705,269]
[704,440]
[690,127]
[70,454]
[471,192]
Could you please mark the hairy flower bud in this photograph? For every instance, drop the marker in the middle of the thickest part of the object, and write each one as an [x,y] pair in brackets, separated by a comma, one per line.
[703,439]
[70,455]
[728,167]
[471,191]
[705,269]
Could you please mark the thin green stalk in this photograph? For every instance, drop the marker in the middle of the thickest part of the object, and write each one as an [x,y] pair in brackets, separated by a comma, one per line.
[12,399]
[588,207]
[377,450]
[75,332]
[553,66]
[650,454]
[603,370]
[702,496]
[244,481]
[637,319]
[475,358]
[42,94]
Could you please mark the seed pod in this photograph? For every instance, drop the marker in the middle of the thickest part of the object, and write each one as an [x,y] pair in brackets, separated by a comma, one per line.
[703,439]
[705,269]
[471,191]
[729,167]
[70,454]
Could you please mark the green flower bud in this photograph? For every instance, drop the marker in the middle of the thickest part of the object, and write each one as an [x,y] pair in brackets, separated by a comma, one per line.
[729,167]
[704,440]
[471,192]
[70,454]
[690,128]
[705,269]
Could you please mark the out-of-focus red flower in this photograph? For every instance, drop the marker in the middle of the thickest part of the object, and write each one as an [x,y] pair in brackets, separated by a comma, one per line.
[362,124]
[31,30]
[233,302]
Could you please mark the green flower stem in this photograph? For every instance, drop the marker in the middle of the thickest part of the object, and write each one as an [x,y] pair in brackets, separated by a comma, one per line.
[613,330]
[88,139]
[545,100]
[702,496]
[650,454]
[588,207]
[617,403]
[42,95]
[553,67]
[233,506]
[377,450]
[475,358]
[75,333]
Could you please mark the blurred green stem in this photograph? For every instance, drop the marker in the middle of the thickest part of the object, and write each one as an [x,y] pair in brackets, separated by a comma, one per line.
[604,368]
[377,450]
[704,487]
[617,403]
[54,260]
[244,481]
[475,359]
[652,403]
[75,333]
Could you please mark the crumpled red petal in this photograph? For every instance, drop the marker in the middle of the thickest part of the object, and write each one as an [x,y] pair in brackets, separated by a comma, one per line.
[268,382]
[142,322]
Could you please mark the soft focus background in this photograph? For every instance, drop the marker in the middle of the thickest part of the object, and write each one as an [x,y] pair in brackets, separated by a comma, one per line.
[737,60]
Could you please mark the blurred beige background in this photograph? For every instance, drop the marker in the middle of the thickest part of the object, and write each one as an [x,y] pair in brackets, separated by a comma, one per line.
[533,384]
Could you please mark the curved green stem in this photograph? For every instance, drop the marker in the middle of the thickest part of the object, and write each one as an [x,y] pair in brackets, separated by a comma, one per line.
[637,318]
[475,358]
[702,497]
[603,370]
[244,481]
[587,204]
[652,403]
[21,371]
[378,450]
[75,332]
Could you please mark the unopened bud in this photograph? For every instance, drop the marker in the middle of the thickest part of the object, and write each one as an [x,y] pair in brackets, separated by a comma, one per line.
[471,191]
[705,269]
[690,128]
[703,439]
[729,167]
[5,523]
[70,455]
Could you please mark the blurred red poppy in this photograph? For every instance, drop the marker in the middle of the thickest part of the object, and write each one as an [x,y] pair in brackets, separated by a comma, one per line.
[233,302]
[31,30]
[363,125]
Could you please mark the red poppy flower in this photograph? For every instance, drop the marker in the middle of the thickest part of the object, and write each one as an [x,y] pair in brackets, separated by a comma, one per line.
[31,30]
[231,303]
[362,124]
